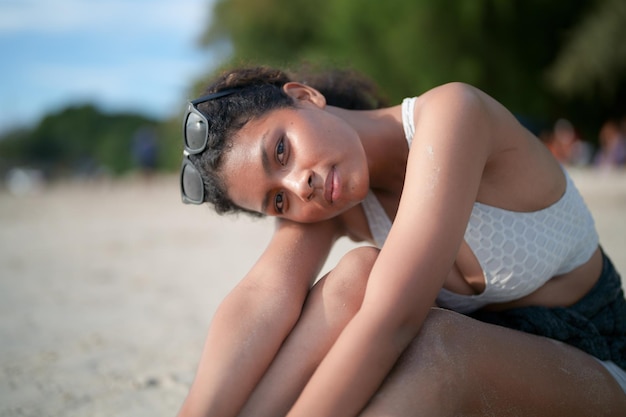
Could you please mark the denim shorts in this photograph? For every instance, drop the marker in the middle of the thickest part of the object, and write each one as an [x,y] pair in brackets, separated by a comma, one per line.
[596,324]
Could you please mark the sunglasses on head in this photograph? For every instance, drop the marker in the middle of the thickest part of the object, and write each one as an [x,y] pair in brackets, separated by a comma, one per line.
[195,139]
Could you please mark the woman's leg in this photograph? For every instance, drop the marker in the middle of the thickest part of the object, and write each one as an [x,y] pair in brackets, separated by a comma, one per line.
[331,304]
[458,366]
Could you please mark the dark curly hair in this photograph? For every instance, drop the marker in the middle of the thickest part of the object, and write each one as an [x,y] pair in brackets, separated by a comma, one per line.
[259,90]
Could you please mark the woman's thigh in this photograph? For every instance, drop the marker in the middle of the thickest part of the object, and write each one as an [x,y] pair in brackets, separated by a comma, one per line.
[458,366]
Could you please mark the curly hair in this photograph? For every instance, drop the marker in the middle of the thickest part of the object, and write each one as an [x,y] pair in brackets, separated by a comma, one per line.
[258,91]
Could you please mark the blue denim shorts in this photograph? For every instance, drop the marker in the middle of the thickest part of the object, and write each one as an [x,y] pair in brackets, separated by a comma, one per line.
[596,324]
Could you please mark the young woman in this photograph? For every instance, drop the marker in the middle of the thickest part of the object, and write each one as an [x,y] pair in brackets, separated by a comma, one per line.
[470,212]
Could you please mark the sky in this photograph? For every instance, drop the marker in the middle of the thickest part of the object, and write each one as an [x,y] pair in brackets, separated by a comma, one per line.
[122,55]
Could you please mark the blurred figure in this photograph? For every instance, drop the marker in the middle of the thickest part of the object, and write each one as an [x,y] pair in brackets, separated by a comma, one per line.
[566,145]
[612,152]
[23,181]
[145,150]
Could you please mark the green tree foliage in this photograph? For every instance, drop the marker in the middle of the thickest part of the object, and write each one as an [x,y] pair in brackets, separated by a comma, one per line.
[542,59]
[76,139]
[407,46]
[594,58]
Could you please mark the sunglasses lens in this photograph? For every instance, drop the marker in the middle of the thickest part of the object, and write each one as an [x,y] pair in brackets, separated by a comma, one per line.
[191,184]
[195,133]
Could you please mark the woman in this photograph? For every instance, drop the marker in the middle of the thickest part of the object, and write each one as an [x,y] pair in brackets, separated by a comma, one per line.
[470,212]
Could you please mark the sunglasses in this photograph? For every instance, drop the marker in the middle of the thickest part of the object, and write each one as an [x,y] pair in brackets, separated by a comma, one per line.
[195,137]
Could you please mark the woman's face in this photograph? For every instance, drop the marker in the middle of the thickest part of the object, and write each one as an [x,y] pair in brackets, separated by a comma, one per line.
[304,164]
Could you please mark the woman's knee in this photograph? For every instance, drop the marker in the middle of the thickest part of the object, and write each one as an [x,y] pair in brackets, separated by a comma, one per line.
[429,377]
[438,347]
[355,266]
[344,286]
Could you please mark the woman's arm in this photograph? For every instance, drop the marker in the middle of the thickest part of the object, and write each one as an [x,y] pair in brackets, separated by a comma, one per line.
[451,147]
[255,318]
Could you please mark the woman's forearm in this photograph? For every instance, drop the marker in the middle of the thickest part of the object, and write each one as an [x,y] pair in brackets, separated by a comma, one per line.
[353,370]
[245,334]
[330,305]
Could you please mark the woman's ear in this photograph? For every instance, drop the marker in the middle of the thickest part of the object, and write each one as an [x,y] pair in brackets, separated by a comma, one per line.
[302,92]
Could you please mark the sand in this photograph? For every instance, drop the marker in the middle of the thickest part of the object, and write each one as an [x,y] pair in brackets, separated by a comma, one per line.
[107,289]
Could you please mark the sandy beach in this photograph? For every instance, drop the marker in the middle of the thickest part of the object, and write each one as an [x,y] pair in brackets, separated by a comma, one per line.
[107,289]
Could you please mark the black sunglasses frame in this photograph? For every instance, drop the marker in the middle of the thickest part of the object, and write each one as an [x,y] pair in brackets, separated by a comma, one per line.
[187,168]
[193,109]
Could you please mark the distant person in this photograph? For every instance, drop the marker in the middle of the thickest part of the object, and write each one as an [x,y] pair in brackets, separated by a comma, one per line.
[23,181]
[145,150]
[566,145]
[463,209]
[612,150]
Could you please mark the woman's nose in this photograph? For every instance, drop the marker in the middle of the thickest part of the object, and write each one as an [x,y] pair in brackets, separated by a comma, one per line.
[302,185]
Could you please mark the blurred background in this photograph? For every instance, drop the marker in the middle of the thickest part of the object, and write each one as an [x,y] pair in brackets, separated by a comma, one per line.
[96,88]
[107,282]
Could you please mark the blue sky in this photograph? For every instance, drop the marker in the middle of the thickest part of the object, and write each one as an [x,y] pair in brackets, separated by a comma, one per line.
[137,55]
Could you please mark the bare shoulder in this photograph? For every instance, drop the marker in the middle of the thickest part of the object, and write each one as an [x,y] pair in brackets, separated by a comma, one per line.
[452,91]
[519,172]
[454,95]
[476,117]
[454,121]
[457,98]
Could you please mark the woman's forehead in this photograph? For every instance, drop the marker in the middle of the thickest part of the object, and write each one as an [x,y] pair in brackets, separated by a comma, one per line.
[242,171]
[257,131]
[267,119]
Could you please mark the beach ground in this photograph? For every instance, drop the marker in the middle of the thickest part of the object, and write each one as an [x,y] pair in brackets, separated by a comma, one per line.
[107,289]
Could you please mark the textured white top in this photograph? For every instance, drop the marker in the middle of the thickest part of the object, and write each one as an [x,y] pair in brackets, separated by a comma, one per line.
[377,218]
[518,252]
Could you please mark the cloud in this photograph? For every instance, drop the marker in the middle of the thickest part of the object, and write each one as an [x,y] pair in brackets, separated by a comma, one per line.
[60,16]
[113,82]
[136,55]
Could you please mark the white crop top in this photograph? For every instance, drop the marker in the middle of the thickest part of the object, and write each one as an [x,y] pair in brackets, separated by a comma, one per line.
[518,251]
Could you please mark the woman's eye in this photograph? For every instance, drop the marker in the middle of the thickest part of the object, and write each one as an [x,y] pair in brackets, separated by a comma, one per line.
[279,203]
[280,152]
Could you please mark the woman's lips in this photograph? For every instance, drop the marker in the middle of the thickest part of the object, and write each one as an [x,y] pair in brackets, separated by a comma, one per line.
[336,186]
[332,190]
[329,184]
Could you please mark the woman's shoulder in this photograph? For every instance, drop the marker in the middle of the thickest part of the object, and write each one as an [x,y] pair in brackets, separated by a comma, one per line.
[454,110]
[472,111]
[455,102]
[521,175]
[454,90]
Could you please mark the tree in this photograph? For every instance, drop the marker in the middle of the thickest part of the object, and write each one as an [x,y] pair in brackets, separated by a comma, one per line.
[594,55]
[76,139]
[504,47]
[591,65]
